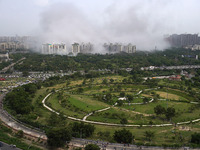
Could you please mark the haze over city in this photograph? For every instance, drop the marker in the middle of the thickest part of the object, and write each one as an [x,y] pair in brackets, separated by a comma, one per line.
[143,23]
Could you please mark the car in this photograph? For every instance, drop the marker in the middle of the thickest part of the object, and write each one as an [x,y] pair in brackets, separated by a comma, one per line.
[13,146]
[1,144]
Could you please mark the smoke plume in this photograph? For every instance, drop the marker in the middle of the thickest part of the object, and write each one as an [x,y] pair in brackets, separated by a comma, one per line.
[139,23]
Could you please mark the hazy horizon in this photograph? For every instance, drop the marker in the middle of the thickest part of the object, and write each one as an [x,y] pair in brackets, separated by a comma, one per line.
[140,22]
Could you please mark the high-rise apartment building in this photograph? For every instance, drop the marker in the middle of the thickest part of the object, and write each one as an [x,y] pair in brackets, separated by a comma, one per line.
[182,40]
[75,48]
[53,48]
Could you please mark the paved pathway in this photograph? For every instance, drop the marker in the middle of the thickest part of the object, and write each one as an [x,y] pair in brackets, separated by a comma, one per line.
[7,119]
[113,124]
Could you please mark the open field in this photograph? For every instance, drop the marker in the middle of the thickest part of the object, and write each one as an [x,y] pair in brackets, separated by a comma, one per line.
[167,95]
[71,103]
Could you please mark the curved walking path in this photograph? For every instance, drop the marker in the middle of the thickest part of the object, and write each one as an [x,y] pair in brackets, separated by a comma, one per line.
[139,103]
[84,118]
[113,124]
[74,142]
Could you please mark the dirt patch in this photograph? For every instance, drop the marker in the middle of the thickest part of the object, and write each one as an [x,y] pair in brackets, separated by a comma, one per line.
[184,128]
[168,95]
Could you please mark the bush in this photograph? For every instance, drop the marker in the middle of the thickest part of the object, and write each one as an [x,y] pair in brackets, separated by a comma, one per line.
[195,138]
[92,147]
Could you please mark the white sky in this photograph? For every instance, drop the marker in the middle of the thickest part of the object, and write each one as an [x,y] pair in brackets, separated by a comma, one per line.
[111,20]
[22,17]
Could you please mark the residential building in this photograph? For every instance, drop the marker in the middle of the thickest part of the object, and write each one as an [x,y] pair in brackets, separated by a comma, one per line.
[53,48]
[75,48]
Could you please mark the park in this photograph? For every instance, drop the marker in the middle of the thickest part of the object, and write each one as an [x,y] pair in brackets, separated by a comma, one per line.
[113,102]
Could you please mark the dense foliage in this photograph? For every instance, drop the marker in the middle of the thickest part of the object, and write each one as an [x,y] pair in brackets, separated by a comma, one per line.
[57,137]
[92,147]
[195,138]
[123,136]
[82,130]
[19,100]
[37,62]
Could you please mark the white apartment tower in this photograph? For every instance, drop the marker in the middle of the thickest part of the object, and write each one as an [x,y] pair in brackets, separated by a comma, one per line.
[75,48]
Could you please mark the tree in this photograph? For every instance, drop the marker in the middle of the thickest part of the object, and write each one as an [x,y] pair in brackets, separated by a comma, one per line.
[30,88]
[55,120]
[20,134]
[84,81]
[123,136]
[68,82]
[19,100]
[123,121]
[105,81]
[80,90]
[57,137]
[122,94]
[120,103]
[170,112]
[130,97]
[111,80]
[92,147]
[25,73]
[159,110]
[82,130]
[195,138]
[145,100]
[149,135]
[108,96]
[124,80]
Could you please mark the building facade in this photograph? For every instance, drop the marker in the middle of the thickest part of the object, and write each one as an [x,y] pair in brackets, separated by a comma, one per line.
[53,48]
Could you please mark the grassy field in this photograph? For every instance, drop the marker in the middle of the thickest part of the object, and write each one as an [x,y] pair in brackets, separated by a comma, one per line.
[114,115]
[163,135]
[78,105]
[167,95]
[86,103]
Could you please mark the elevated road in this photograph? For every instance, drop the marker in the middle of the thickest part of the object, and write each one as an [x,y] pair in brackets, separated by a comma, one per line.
[14,124]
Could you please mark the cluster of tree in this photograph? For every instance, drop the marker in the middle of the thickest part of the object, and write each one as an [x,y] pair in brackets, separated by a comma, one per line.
[13,57]
[195,138]
[4,64]
[92,147]
[152,83]
[19,100]
[59,135]
[37,62]
[169,112]
[82,130]
[123,136]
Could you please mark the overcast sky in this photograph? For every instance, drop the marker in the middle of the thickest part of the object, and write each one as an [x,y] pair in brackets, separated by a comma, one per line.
[99,20]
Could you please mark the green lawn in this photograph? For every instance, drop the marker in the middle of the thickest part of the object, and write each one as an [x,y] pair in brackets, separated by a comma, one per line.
[86,103]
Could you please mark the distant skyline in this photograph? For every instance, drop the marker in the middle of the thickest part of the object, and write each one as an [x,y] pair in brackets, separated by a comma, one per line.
[142,22]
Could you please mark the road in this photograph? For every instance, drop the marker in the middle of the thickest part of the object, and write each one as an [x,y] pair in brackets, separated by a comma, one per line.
[11,65]
[78,142]
[171,67]
[5,146]
[9,120]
